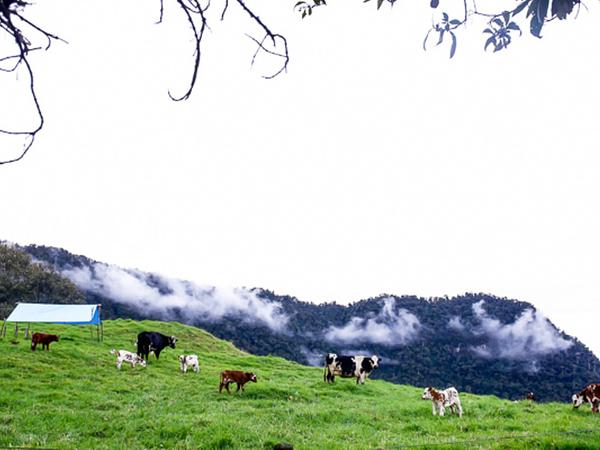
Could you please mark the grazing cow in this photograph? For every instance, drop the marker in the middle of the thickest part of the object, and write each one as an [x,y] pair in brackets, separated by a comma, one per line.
[151,341]
[590,394]
[235,376]
[530,396]
[349,367]
[44,339]
[186,361]
[128,357]
[442,399]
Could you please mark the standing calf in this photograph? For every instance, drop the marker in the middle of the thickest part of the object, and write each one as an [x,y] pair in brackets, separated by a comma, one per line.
[590,394]
[44,339]
[128,357]
[186,361]
[442,399]
[235,376]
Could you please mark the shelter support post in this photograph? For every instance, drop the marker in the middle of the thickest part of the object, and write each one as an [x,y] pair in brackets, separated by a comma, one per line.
[100,328]
[3,332]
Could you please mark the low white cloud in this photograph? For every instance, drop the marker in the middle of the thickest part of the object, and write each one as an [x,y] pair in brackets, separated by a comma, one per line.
[169,297]
[455,323]
[387,328]
[529,336]
[313,358]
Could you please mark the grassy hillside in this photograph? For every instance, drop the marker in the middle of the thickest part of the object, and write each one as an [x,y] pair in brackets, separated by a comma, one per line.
[73,396]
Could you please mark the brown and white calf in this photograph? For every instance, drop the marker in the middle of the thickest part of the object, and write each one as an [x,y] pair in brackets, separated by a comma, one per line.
[128,357]
[235,376]
[186,361]
[442,399]
[590,394]
[44,339]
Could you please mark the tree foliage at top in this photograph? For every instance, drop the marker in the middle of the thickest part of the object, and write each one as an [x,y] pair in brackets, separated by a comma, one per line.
[499,30]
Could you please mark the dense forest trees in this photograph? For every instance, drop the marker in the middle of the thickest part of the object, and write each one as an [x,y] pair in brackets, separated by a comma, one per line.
[24,280]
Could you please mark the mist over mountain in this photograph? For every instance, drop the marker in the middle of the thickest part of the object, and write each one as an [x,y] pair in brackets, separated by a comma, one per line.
[477,342]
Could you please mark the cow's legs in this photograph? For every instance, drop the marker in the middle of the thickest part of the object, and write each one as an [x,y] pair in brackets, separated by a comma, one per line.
[442,409]
[119,362]
[433,408]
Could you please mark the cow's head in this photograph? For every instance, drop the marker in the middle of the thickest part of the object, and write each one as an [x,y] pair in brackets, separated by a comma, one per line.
[251,376]
[330,358]
[577,400]
[54,337]
[427,394]
[139,360]
[375,360]
[172,340]
[182,358]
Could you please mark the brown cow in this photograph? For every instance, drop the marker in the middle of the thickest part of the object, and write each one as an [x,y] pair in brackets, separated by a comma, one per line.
[235,376]
[590,394]
[44,339]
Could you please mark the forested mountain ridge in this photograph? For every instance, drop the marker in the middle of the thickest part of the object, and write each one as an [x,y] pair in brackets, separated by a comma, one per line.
[24,280]
[477,342]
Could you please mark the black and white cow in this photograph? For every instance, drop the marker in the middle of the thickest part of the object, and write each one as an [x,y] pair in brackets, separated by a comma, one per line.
[152,341]
[349,367]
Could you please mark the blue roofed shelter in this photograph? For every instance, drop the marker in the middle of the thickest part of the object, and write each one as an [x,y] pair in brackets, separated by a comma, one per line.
[56,313]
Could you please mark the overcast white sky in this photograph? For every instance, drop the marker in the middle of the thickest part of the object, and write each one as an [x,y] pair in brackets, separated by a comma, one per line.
[370,167]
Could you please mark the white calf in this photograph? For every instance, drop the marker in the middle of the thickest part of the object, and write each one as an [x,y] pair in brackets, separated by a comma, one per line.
[186,361]
[442,399]
[129,357]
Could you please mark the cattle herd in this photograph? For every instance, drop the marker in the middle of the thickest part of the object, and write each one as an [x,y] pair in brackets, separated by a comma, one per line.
[356,366]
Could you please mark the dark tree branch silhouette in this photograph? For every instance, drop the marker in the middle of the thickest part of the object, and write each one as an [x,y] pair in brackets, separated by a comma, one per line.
[12,23]
[499,29]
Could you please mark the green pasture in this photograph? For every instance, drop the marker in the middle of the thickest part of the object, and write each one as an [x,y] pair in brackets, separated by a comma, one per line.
[74,397]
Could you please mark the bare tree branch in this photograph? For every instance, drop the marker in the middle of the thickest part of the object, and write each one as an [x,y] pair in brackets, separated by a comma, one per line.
[9,10]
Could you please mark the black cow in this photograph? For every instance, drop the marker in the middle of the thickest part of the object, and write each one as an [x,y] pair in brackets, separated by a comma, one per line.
[151,341]
[349,367]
